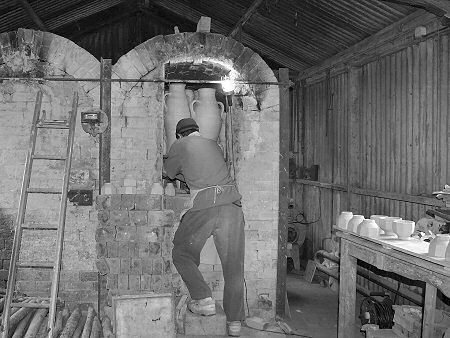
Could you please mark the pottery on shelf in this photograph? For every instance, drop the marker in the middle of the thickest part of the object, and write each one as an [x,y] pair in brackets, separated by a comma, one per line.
[386,225]
[157,189]
[343,218]
[176,108]
[208,113]
[354,222]
[378,219]
[368,228]
[439,246]
[169,190]
[403,228]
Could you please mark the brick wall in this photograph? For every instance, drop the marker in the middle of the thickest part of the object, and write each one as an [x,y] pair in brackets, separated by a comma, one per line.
[28,53]
[136,149]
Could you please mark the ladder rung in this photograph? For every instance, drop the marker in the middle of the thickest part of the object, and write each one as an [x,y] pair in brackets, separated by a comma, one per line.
[49,157]
[57,124]
[34,305]
[36,265]
[39,228]
[44,190]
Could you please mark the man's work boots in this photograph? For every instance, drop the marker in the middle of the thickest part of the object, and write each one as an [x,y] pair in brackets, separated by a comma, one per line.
[234,328]
[204,307]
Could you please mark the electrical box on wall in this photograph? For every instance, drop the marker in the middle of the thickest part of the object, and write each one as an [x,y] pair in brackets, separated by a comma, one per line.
[80,197]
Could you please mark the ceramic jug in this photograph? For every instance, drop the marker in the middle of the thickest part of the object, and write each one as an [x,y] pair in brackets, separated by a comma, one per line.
[354,222]
[403,228]
[386,225]
[343,219]
[190,97]
[176,108]
[207,112]
[438,246]
[379,219]
[368,228]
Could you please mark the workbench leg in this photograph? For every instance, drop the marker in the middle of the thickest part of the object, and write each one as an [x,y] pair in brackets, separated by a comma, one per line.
[347,292]
[429,309]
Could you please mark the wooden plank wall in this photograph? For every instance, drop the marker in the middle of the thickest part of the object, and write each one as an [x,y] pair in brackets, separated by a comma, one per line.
[397,132]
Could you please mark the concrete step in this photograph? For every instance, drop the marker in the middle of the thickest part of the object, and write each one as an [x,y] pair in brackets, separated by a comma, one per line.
[197,325]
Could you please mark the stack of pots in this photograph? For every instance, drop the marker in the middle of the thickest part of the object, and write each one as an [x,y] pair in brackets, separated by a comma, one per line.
[181,103]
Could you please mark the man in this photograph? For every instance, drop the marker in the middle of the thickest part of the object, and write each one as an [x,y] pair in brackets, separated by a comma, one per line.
[216,210]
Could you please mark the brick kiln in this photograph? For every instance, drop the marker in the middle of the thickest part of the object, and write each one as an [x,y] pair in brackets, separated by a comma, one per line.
[121,244]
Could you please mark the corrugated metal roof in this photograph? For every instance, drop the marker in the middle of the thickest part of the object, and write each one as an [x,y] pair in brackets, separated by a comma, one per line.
[287,33]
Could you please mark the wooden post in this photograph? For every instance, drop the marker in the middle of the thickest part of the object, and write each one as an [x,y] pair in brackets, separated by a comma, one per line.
[347,292]
[283,192]
[429,308]
[105,137]
[353,137]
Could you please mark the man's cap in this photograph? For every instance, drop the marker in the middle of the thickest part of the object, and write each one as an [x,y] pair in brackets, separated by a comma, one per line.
[186,124]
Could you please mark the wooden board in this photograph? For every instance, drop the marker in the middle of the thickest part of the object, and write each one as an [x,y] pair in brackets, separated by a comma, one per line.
[138,315]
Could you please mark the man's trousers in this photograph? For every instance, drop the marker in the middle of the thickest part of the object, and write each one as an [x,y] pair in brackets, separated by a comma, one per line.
[226,224]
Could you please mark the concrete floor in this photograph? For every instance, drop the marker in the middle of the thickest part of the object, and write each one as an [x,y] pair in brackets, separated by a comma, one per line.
[313,307]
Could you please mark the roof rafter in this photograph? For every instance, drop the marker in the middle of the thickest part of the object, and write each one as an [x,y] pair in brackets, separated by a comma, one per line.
[440,8]
[274,54]
[30,11]
[252,9]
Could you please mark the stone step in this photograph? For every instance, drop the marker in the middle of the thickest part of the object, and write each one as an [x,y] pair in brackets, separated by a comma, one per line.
[197,325]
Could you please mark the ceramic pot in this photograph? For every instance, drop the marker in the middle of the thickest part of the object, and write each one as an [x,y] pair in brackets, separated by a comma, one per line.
[439,245]
[386,225]
[208,113]
[343,218]
[368,228]
[157,189]
[403,228]
[169,190]
[190,97]
[354,222]
[378,219]
[176,108]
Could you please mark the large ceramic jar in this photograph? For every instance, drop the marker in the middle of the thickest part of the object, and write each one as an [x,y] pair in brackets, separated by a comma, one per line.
[354,222]
[368,228]
[438,246]
[176,108]
[207,112]
[343,218]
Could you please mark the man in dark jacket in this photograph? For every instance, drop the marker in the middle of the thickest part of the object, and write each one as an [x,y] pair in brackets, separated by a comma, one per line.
[216,210]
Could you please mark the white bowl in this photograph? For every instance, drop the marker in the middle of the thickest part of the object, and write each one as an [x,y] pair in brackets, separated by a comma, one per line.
[403,228]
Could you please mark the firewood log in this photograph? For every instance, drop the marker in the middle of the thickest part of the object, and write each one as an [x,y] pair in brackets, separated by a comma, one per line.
[36,323]
[71,324]
[107,327]
[43,328]
[15,319]
[65,314]
[23,325]
[58,324]
[80,326]
[96,328]
[88,325]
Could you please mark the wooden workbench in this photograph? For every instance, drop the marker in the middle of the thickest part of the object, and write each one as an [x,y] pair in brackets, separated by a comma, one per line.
[404,257]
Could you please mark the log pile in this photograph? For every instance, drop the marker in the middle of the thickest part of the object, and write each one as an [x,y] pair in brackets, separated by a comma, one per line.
[29,322]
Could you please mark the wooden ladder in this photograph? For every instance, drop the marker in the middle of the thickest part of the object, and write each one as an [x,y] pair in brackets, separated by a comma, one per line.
[39,122]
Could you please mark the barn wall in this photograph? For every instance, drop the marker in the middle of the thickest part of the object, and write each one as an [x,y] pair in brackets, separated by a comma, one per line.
[378,125]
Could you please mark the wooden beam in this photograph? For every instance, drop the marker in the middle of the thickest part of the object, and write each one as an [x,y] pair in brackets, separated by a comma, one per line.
[193,15]
[105,137]
[440,8]
[242,21]
[30,11]
[283,193]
